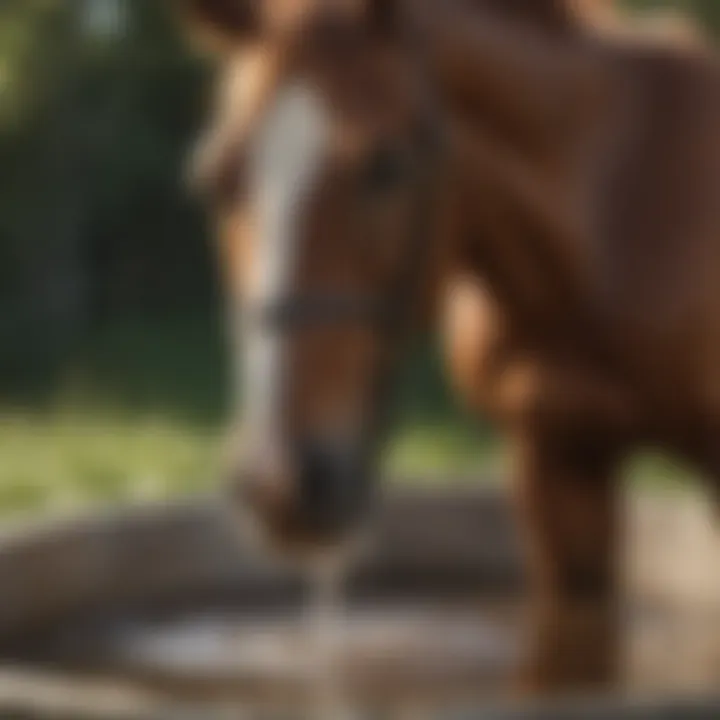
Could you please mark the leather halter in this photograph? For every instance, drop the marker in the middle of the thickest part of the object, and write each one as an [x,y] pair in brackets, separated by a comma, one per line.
[383,313]
[389,314]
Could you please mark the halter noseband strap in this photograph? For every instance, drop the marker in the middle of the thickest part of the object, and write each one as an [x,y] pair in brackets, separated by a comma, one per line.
[309,311]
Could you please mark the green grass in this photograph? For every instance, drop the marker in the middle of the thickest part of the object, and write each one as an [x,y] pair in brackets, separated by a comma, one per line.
[138,414]
[73,459]
[139,411]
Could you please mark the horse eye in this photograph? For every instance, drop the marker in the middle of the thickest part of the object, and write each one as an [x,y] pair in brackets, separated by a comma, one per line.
[386,169]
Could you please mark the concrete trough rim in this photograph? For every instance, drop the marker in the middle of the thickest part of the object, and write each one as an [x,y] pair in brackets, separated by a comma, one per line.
[43,695]
[429,536]
[50,571]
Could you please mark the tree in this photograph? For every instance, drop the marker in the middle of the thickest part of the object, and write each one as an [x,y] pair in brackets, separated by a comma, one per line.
[98,110]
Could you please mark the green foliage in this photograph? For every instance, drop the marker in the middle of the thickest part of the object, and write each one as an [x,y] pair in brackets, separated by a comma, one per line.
[94,221]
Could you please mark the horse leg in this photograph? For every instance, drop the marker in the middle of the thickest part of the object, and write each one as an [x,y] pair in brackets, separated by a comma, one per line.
[567,501]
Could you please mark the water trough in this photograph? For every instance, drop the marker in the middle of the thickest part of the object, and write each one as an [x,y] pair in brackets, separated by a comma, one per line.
[153,611]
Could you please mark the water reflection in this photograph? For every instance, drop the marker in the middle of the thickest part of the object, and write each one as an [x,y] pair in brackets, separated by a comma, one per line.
[411,653]
[401,659]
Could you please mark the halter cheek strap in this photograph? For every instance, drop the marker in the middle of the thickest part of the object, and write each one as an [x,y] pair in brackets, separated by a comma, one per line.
[405,293]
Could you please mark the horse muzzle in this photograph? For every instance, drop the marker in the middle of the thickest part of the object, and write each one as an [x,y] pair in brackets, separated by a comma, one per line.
[316,496]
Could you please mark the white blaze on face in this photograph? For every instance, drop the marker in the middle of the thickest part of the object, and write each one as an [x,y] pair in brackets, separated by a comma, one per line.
[287,157]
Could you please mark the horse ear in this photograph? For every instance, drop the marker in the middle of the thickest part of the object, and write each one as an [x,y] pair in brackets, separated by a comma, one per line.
[220,23]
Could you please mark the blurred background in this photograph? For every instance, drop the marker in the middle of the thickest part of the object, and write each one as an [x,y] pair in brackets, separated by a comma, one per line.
[113,364]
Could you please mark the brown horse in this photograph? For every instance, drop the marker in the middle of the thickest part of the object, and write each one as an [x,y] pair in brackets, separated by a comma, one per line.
[543,189]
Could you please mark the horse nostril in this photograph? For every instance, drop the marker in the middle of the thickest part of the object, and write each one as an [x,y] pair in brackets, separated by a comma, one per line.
[328,483]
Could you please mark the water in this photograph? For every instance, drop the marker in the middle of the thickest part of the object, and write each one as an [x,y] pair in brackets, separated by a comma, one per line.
[386,659]
[326,625]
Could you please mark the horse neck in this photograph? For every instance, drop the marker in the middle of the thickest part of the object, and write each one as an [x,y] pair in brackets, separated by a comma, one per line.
[527,76]
[523,98]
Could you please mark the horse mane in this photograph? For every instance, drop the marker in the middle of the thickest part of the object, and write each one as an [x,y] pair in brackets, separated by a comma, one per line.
[550,15]
[605,17]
